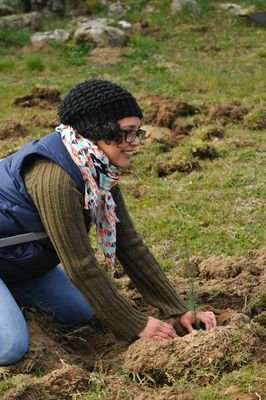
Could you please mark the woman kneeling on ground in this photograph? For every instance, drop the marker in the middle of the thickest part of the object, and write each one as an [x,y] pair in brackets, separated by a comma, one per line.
[57,187]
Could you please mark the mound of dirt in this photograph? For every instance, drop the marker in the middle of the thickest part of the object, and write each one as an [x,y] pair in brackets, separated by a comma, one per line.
[233,112]
[39,97]
[214,133]
[256,120]
[217,267]
[107,55]
[45,353]
[163,111]
[167,137]
[230,282]
[200,357]
[36,47]
[204,151]
[12,129]
[184,165]
[59,384]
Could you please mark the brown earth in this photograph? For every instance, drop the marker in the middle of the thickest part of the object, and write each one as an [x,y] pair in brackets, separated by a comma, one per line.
[12,129]
[107,55]
[164,111]
[39,97]
[233,112]
[62,362]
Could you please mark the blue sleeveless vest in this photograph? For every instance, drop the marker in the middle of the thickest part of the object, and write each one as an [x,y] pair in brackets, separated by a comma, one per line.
[19,215]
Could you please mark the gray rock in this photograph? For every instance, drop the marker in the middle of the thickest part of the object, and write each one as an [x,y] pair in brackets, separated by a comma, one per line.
[236,9]
[6,10]
[58,34]
[178,6]
[124,24]
[115,9]
[100,34]
[16,4]
[32,20]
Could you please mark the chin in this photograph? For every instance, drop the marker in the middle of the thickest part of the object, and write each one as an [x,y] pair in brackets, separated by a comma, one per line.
[122,164]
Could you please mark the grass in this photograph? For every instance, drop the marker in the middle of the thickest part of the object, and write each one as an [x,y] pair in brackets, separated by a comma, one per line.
[214,58]
[249,379]
[35,62]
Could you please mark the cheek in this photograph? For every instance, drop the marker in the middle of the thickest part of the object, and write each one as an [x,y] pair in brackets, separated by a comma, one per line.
[115,154]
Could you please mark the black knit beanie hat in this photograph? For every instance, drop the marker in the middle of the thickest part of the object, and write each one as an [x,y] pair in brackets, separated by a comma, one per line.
[93,104]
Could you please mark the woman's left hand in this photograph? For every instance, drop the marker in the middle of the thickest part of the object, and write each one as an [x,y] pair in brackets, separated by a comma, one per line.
[206,317]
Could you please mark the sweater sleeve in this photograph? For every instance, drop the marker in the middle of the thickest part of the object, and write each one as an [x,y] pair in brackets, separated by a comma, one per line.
[60,205]
[142,267]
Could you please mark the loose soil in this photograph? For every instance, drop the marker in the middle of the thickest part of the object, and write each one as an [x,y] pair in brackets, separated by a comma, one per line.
[40,97]
[62,362]
[12,129]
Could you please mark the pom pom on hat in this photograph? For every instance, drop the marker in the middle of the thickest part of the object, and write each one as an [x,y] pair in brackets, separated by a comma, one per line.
[97,102]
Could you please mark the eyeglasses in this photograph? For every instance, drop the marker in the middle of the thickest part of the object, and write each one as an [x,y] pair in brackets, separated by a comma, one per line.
[130,135]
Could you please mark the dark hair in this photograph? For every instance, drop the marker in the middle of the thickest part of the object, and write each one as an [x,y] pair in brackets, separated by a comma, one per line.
[93,108]
[108,131]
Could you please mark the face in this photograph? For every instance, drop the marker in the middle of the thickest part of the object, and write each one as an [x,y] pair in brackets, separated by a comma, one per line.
[120,154]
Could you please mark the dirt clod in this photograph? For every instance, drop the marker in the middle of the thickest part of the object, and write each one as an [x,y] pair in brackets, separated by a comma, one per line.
[204,151]
[214,133]
[256,119]
[183,166]
[12,129]
[163,111]
[233,112]
[39,97]
[60,383]
[200,356]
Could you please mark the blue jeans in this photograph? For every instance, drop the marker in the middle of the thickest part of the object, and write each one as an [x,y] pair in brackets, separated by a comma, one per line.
[52,293]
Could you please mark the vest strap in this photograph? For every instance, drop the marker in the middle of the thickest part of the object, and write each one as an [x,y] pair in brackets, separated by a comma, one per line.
[23,238]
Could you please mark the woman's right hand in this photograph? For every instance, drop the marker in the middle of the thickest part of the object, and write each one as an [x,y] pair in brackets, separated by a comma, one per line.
[157,329]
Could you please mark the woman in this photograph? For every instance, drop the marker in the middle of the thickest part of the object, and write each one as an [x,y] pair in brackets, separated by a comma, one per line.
[52,191]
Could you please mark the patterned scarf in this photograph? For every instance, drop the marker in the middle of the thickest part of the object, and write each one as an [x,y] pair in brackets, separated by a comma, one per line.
[99,177]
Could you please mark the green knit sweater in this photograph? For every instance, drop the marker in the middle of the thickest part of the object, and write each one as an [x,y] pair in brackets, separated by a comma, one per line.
[60,205]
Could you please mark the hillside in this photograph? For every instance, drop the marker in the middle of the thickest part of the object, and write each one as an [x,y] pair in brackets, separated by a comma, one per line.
[196,192]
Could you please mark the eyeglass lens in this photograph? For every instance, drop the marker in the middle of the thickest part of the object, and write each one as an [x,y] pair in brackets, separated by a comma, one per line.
[130,136]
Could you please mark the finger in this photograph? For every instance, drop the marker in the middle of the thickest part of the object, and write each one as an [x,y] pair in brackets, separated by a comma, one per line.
[168,329]
[159,338]
[209,324]
[212,318]
[172,333]
[188,327]
[208,318]
[162,335]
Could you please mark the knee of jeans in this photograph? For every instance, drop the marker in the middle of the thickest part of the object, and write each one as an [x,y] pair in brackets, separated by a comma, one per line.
[13,349]
[82,316]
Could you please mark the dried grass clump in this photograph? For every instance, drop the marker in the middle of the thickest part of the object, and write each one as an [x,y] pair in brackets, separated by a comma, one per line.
[202,356]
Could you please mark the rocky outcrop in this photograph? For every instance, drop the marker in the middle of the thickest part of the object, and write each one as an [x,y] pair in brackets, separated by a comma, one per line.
[61,35]
[18,21]
[100,33]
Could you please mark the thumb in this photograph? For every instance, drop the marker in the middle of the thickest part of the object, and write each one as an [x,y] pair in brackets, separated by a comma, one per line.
[189,327]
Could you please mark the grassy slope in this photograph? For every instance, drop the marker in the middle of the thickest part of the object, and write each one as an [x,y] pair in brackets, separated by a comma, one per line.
[216,58]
